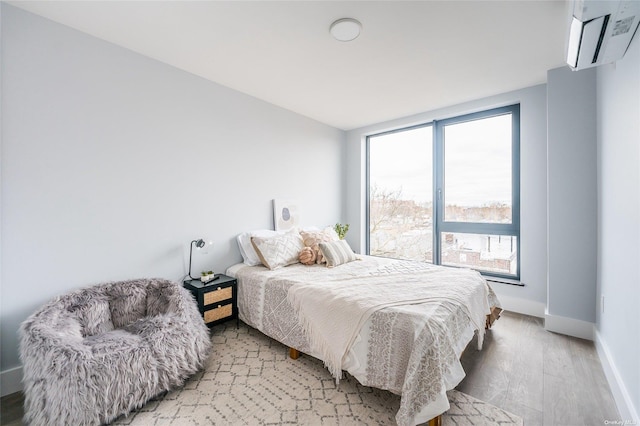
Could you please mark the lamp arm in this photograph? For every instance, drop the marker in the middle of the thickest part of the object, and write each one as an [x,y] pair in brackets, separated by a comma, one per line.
[199,243]
[190,254]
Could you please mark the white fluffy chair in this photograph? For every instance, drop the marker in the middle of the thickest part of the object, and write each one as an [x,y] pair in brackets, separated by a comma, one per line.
[100,352]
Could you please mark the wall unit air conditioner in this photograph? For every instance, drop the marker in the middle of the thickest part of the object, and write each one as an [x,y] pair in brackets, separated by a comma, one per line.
[601,31]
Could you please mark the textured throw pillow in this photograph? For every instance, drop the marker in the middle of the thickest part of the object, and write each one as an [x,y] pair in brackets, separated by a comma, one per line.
[276,252]
[247,251]
[311,239]
[337,253]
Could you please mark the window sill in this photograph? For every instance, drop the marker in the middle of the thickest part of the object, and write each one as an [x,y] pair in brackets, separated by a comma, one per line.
[509,281]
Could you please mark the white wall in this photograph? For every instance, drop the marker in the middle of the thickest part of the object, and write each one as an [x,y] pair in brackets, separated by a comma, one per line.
[618,278]
[113,162]
[571,157]
[531,298]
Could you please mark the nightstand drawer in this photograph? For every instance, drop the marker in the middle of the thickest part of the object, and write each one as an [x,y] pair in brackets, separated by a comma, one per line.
[218,295]
[218,313]
[217,300]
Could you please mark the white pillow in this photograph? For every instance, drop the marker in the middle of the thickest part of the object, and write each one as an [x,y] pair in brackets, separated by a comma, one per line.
[281,250]
[246,248]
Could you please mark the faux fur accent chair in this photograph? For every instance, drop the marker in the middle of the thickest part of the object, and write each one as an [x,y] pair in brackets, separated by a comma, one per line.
[100,352]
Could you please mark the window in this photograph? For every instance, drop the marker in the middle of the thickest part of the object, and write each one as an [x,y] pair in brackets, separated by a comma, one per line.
[401,194]
[448,192]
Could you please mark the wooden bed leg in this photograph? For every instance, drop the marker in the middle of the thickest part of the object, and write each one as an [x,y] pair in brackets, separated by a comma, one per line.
[492,317]
[293,353]
[436,421]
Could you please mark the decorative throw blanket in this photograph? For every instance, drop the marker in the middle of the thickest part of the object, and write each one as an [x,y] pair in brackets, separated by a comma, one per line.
[332,312]
[411,350]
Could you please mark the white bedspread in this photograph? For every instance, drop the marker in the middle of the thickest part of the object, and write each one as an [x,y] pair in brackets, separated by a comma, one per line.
[413,321]
[332,311]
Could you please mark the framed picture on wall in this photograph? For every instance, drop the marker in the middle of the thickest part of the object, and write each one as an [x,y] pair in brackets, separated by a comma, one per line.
[285,214]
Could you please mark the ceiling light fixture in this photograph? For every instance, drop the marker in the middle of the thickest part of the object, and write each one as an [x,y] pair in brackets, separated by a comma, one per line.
[345,29]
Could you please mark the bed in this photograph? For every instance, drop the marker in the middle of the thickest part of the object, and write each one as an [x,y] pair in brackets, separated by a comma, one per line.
[409,344]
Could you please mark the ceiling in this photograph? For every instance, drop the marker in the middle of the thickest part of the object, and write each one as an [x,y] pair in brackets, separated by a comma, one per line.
[411,57]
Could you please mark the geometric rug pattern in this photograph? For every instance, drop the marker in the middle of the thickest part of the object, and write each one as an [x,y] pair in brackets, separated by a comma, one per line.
[250,380]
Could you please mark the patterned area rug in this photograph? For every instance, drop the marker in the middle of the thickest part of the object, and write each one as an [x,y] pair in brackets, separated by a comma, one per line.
[250,380]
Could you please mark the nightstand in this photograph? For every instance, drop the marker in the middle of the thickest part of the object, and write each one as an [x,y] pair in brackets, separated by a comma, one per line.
[217,299]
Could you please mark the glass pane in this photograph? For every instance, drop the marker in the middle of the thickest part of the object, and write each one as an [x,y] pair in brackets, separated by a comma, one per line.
[477,170]
[490,253]
[401,195]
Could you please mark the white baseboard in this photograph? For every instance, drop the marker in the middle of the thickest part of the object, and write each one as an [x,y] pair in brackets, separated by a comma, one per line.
[10,381]
[569,326]
[620,394]
[522,306]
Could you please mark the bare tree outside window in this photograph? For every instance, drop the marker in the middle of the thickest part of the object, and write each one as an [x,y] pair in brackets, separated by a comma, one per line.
[399,228]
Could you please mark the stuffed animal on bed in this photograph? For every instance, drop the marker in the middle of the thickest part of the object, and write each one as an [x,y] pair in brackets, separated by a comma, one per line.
[312,239]
[307,256]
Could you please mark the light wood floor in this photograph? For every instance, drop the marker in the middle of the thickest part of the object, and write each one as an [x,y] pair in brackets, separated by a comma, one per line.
[546,378]
[11,409]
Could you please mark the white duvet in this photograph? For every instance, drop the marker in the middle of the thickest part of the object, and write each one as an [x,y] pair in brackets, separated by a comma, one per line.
[392,324]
